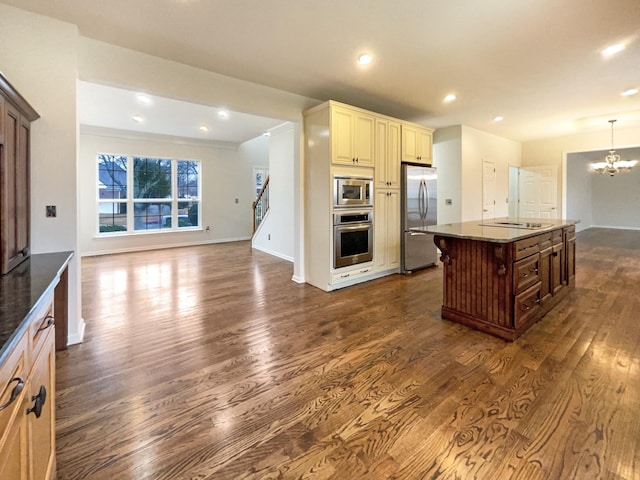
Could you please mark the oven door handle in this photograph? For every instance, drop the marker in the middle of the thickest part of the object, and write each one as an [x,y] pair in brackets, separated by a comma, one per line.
[359,226]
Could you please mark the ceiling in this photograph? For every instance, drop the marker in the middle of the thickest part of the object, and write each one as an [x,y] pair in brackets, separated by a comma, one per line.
[537,63]
[110,107]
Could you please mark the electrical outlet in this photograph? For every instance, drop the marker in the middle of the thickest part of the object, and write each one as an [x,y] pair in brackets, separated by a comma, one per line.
[448,201]
[268,236]
[207,229]
[237,201]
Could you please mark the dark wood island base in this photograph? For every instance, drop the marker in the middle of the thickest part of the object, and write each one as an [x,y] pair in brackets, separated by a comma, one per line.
[502,280]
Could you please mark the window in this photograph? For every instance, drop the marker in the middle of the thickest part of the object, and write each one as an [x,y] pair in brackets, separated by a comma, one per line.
[140,194]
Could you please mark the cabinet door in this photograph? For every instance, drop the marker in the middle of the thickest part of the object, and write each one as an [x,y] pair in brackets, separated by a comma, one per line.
[14,190]
[342,136]
[423,146]
[382,148]
[546,274]
[409,144]
[13,452]
[393,155]
[380,230]
[571,260]
[387,230]
[364,128]
[556,268]
[393,229]
[42,429]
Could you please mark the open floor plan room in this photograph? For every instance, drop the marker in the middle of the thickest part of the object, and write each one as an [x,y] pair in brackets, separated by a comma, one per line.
[209,362]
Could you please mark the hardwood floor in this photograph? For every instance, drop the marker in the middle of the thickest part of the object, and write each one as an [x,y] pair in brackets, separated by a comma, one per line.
[209,362]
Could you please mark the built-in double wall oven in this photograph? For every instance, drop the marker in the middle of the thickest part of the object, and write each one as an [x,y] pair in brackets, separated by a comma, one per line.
[352,221]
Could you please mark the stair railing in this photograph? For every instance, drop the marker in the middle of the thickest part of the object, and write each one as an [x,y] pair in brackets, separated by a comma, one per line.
[261,205]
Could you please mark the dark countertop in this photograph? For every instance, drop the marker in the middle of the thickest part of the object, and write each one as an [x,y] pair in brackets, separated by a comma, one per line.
[480,230]
[21,292]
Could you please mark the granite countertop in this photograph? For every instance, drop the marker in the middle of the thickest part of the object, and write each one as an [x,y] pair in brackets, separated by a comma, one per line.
[22,291]
[484,231]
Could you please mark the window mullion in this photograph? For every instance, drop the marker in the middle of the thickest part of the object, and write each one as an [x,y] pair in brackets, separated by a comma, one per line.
[174,194]
[130,219]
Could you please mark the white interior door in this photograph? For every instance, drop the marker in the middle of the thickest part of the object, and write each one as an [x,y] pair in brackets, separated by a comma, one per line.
[547,193]
[488,190]
[539,192]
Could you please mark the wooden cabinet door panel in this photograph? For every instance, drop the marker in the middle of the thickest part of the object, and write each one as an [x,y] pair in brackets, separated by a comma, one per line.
[42,428]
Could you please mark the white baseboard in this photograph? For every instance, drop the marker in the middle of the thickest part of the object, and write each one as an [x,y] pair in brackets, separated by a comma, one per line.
[615,228]
[161,247]
[78,337]
[274,253]
[298,279]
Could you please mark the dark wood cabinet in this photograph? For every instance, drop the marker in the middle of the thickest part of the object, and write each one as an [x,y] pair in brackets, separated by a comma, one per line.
[16,116]
[502,287]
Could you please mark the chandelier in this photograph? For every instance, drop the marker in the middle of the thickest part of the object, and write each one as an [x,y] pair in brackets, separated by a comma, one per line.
[612,163]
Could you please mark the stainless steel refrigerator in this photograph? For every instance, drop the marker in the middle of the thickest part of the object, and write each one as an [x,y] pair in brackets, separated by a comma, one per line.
[419,209]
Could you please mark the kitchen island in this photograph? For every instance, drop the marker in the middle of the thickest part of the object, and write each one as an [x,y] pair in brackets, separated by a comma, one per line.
[503,275]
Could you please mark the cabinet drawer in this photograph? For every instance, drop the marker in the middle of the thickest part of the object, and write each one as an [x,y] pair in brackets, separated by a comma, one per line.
[556,236]
[13,380]
[526,247]
[526,305]
[570,231]
[526,272]
[350,275]
[39,329]
[544,240]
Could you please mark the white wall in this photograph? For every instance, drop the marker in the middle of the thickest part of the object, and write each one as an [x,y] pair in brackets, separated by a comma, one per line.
[39,58]
[579,202]
[616,200]
[447,158]
[276,233]
[552,151]
[478,146]
[602,200]
[226,175]
[458,153]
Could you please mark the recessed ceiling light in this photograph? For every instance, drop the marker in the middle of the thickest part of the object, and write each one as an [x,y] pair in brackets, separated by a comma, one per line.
[498,118]
[630,92]
[143,99]
[607,52]
[450,98]
[137,118]
[223,114]
[204,128]
[266,134]
[364,59]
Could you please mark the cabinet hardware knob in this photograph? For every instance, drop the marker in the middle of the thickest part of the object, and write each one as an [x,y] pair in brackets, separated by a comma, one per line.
[50,322]
[39,400]
[15,392]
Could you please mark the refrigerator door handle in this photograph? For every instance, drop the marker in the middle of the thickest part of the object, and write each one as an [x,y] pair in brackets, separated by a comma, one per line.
[413,234]
[426,199]
[421,200]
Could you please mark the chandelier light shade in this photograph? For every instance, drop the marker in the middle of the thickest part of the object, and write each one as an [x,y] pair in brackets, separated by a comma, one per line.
[612,163]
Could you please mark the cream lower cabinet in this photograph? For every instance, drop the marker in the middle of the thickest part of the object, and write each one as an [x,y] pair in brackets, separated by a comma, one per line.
[27,392]
[386,227]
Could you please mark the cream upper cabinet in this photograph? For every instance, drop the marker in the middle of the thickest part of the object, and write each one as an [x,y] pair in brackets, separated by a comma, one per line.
[352,137]
[387,154]
[416,144]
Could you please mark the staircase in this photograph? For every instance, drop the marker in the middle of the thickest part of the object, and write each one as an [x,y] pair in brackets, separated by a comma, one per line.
[261,205]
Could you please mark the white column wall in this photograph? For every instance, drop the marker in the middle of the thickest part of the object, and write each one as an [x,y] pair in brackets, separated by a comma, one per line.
[39,58]
[276,233]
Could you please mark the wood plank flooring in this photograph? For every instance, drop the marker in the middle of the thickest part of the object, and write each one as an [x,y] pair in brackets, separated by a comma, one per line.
[209,362]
